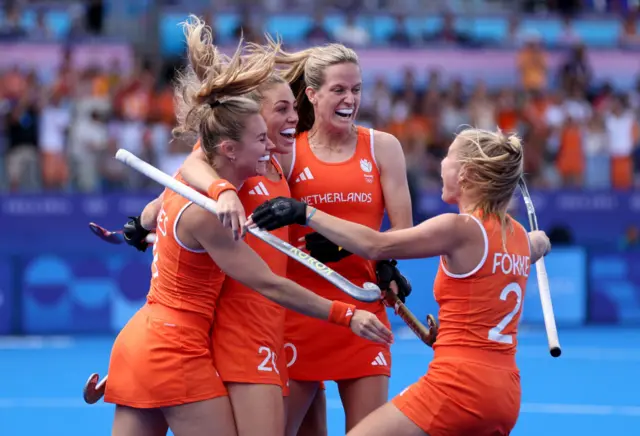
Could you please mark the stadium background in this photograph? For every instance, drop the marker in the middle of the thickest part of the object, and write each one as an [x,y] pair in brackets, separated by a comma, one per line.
[79,80]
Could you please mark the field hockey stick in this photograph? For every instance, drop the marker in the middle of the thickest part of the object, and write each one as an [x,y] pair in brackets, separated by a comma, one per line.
[116,236]
[369,292]
[543,280]
[426,334]
[94,388]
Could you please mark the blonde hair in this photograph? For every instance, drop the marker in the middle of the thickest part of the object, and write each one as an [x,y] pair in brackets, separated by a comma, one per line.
[210,95]
[492,164]
[306,68]
[257,94]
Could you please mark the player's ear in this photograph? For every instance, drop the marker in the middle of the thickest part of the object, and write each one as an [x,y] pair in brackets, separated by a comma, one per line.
[311,95]
[229,149]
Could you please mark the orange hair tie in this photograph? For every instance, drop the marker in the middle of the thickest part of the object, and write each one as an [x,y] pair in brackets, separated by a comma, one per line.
[341,313]
[218,187]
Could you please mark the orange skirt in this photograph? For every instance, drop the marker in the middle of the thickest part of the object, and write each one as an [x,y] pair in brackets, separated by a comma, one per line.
[319,351]
[163,358]
[460,397]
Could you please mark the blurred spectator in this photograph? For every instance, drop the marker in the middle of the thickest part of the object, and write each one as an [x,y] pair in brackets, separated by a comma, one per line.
[89,141]
[10,27]
[507,111]
[623,136]
[351,33]
[597,154]
[317,33]
[55,121]
[447,33]
[482,110]
[576,70]
[532,63]
[248,27]
[22,156]
[568,37]
[42,29]
[380,102]
[629,36]
[400,37]
[570,155]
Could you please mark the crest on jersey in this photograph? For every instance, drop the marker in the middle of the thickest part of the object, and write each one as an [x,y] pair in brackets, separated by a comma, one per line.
[367,167]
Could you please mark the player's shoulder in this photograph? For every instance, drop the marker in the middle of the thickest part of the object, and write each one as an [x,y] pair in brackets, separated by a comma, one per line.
[384,139]
[387,150]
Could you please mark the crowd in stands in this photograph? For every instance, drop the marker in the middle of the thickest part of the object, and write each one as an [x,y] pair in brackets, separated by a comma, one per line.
[61,134]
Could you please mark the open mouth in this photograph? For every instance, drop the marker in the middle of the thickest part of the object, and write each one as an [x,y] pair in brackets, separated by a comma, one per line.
[265,158]
[345,113]
[288,134]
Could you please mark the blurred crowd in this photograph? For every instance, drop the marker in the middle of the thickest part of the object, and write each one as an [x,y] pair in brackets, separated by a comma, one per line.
[60,134]
[63,135]
[577,133]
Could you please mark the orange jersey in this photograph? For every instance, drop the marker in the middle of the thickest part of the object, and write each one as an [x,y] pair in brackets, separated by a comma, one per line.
[181,278]
[350,190]
[248,334]
[482,309]
[254,192]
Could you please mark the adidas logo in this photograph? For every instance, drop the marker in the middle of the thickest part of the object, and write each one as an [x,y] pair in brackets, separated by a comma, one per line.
[379,360]
[304,175]
[259,189]
[349,313]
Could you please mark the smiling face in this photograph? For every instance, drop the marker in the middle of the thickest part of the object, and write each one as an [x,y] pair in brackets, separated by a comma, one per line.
[337,101]
[251,153]
[278,108]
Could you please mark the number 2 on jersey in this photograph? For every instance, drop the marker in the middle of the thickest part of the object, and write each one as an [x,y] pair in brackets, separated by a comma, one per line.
[495,334]
[270,358]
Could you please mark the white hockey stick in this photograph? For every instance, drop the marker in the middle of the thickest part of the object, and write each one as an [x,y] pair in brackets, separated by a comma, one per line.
[543,280]
[369,292]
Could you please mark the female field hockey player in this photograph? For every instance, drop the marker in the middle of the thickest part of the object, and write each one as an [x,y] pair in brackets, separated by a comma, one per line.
[354,173]
[248,330]
[162,372]
[472,386]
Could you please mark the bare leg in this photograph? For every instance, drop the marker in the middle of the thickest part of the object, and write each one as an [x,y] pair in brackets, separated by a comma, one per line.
[315,421]
[203,418]
[258,409]
[362,396]
[386,421]
[138,422]
[301,395]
